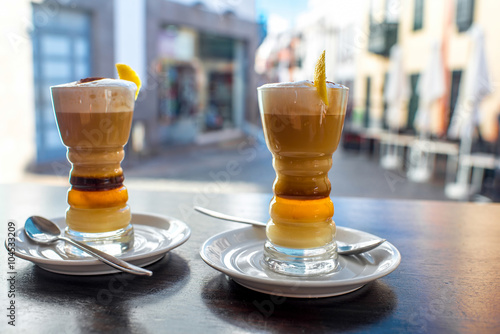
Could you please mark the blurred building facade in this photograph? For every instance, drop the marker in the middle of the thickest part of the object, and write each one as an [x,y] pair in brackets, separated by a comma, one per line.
[415,26]
[291,54]
[47,43]
[192,56]
[202,84]
[358,46]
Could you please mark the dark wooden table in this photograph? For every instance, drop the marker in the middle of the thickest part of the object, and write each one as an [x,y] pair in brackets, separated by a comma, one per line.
[448,280]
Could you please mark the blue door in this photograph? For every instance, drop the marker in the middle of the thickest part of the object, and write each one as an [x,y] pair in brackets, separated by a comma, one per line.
[61,54]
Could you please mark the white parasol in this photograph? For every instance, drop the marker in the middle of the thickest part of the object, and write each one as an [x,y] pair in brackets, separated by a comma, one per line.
[474,88]
[397,92]
[431,88]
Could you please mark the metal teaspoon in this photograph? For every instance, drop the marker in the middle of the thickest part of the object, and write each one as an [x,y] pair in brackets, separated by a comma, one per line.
[44,231]
[342,249]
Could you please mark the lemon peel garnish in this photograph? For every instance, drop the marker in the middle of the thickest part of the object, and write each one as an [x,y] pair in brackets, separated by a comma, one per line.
[320,78]
[126,72]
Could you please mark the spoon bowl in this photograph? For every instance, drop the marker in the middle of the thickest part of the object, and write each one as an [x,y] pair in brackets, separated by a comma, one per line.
[41,230]
[44,231]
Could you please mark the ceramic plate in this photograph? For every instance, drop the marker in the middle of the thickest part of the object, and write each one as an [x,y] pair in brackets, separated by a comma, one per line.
[238,254]
[154,236]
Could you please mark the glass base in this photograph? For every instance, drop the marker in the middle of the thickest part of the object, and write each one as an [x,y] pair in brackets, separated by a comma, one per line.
[301,262]
[114,242]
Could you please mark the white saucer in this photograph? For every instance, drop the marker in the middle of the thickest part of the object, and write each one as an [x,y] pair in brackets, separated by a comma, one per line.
[154,236]
[238,254]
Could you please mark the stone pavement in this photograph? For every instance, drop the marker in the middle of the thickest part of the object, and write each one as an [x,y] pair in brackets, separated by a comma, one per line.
[245,165]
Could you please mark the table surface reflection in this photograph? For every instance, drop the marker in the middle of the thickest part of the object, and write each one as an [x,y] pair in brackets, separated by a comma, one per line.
[445,283]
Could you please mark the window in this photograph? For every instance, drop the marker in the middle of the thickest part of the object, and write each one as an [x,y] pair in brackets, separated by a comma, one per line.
[465,14]
[413,103]
[384,114]
[456,77]
[418,15]
[366,119]
[216,47]
[348,114]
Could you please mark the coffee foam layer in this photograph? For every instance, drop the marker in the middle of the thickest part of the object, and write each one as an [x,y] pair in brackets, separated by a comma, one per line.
[104,95]
[301,98]
[299,84]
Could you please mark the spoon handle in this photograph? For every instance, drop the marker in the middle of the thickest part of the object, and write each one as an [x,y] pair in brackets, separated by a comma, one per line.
[342,248]
[109,259]
[223,216]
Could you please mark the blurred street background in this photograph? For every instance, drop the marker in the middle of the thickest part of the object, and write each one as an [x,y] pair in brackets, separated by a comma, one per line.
[423,114]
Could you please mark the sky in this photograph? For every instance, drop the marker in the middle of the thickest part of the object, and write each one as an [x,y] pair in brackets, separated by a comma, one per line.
[287,9]
[284,15]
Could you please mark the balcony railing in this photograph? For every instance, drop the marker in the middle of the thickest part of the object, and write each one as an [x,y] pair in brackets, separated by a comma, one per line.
[382,37]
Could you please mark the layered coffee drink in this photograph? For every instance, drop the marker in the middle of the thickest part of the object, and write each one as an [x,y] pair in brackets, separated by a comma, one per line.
[302,133]
[94,117]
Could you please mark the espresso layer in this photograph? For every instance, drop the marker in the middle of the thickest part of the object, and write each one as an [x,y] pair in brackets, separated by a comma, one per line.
[96,183]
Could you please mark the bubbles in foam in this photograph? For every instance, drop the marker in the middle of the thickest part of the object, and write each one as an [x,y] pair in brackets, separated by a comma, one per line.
[103,95]
[106,82]
[299,84]
[301,98]
[296,84]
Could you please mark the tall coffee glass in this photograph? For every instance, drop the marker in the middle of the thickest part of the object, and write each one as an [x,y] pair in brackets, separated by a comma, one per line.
[94,118]
[302,133]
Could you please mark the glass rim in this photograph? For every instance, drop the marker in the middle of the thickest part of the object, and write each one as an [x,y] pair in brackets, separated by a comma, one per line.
[263,87]
[103,83]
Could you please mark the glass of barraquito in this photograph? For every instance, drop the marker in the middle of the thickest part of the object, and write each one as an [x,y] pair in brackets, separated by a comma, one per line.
[302,133]
[94,117]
